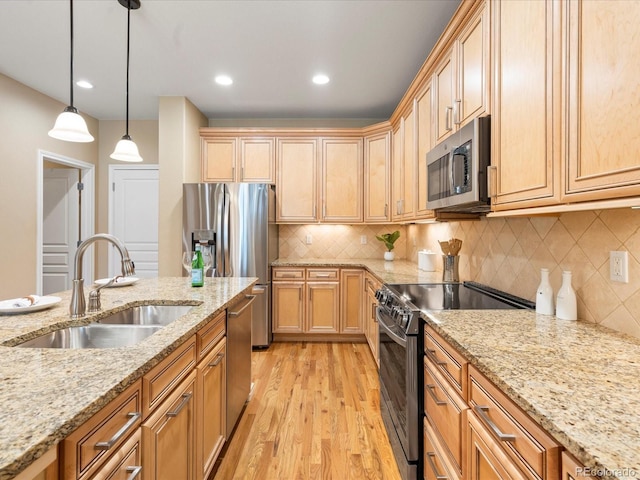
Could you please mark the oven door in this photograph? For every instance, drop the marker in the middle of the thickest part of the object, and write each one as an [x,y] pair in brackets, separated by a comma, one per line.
[399,384]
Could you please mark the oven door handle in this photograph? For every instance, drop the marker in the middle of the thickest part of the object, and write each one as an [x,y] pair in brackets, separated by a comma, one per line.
[399,340]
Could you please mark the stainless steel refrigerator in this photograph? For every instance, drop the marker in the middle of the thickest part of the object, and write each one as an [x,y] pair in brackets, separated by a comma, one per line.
[237,222]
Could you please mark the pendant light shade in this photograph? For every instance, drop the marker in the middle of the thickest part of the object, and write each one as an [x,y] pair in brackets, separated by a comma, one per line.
[70,126]
[126,149]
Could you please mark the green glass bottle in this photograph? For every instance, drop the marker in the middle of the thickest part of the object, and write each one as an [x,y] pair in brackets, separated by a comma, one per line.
[197,268]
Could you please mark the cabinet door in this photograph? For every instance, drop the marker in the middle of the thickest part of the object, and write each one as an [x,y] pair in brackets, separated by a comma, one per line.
[409,167]
[288,307]
[371,320]
[323,307]
[573,470]
[397,144]
[444,86]
[219,159]
[211,410]
[473,67]
[257,160]
[603,99]
[342,180]
[297,186]
[377,174]
[525,142]
[168,436]
[352,289]
[125,463]
[424,134]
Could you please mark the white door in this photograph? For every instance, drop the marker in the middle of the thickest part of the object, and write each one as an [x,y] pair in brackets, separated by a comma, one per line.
[60,227]
[134,217]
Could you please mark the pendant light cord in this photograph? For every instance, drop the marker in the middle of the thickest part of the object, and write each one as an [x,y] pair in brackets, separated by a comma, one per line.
[71,62]
[128,41]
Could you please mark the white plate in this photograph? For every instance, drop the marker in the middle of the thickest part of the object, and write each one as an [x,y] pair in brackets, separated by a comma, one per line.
[6,306]
[120,282]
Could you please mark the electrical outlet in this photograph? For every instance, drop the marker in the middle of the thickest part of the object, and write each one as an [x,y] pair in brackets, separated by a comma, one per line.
[619,266]
[363,239]
[309,240]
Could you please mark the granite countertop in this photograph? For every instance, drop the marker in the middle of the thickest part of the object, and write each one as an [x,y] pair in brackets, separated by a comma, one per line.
[579,381]
[48,393]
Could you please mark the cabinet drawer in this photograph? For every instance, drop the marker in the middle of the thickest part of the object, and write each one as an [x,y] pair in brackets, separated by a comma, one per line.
[447,360]
[162,379]
[322,274]
[125,463]
[573,470]
[446,411]
[530,447]
[436,466]
[288,273]
[86,449]
[210,335]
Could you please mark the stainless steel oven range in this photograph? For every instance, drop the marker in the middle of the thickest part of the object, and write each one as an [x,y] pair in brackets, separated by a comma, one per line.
[401,347]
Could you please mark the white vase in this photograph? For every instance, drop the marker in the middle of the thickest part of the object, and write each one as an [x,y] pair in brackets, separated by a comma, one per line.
[389,256]
[544,295]
[566,304]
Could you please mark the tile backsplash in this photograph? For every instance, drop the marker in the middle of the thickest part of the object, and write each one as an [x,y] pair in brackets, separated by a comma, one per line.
[507,253]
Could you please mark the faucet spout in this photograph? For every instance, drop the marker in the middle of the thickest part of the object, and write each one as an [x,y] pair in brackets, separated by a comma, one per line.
[77,308]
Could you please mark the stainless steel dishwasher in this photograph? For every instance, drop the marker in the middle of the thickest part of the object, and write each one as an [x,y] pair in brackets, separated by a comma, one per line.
[238,358]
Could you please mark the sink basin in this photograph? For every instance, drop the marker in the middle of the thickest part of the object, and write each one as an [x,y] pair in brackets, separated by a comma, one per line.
[93,336]
[147,315]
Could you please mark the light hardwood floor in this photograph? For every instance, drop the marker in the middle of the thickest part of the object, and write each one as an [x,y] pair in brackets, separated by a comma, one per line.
[315,414]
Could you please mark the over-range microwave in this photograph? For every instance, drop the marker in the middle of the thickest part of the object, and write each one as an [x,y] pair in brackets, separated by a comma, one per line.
[457,170]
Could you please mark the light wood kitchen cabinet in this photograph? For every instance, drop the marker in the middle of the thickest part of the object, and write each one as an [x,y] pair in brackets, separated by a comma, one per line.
[288,306]
[342,179]
[297,184]
[211,409]
[397,180]
[377,175]
[525,124]
[436,466]
[403,165]
[444,86]
[424,136]
[602,108]
[323,307]
[573,470]
[126,461]
[351,292]
[169,437]
[370,320]
[238,159]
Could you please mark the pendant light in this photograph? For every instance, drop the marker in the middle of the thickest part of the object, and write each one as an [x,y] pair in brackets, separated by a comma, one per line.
[126,149]
[70,126]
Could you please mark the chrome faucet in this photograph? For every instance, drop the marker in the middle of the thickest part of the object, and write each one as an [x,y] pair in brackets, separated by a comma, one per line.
[78,308]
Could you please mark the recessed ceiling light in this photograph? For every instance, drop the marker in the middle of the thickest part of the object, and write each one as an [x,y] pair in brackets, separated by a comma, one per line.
[84,84]
[223,80]
[320,79]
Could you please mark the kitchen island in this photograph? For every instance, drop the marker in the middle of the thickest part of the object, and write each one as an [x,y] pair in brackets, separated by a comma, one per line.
[47,393]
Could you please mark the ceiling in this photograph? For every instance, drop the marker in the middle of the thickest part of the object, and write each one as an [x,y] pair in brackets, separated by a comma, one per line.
[371,49]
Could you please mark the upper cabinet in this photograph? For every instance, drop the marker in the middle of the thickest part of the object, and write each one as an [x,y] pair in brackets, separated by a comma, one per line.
[424,135]
[403,162]
[525,126]
[342,180]
[297,184]
[238,159]
[602,107]
[461,78]
[377,173]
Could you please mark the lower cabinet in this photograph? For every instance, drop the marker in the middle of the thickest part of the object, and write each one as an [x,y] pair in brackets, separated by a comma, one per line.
[370,320]
[169,437]
[125,463]
[573,470]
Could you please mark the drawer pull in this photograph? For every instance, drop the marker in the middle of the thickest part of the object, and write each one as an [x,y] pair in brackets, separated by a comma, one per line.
[430,389]
[217,360]
[430,457]
[134,471]
[481,410]
[432,355]
[185,399]
[287,275]
[238,312]
[133,418]
[323,275]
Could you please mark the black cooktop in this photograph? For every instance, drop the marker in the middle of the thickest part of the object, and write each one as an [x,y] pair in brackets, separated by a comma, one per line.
[457,296]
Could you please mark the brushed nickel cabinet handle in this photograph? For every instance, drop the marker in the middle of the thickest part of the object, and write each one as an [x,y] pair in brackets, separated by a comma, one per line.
[135,471]
[133,418]
[185,399]
[482,410]
[430,389]
[386,207]
[431,355]
[447,119]
[217,360]
[432,464]
[457,112]
[323,275]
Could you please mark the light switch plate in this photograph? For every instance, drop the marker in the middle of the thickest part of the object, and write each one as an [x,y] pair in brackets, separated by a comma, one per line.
[619,266]
[363,239]
[309,240]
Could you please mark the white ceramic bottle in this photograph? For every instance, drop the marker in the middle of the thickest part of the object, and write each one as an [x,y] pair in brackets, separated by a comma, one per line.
[566,305]
[544,296]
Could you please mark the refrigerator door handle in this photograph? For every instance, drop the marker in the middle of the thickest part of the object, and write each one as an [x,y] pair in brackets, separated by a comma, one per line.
[258,290]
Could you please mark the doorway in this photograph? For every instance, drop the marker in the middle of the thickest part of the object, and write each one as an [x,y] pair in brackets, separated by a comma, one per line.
[65,216]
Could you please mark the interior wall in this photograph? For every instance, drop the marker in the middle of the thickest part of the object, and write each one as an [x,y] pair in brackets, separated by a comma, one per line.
[145,134]
[179,159]
[25,118]
[508,253]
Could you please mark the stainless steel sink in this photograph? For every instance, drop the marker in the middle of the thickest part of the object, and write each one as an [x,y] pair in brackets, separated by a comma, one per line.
[147,315]
[93,336]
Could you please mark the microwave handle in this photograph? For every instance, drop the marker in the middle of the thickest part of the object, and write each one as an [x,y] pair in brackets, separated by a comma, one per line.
[451,168]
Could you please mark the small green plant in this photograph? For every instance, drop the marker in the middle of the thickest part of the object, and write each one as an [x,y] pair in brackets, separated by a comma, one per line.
[389,239]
